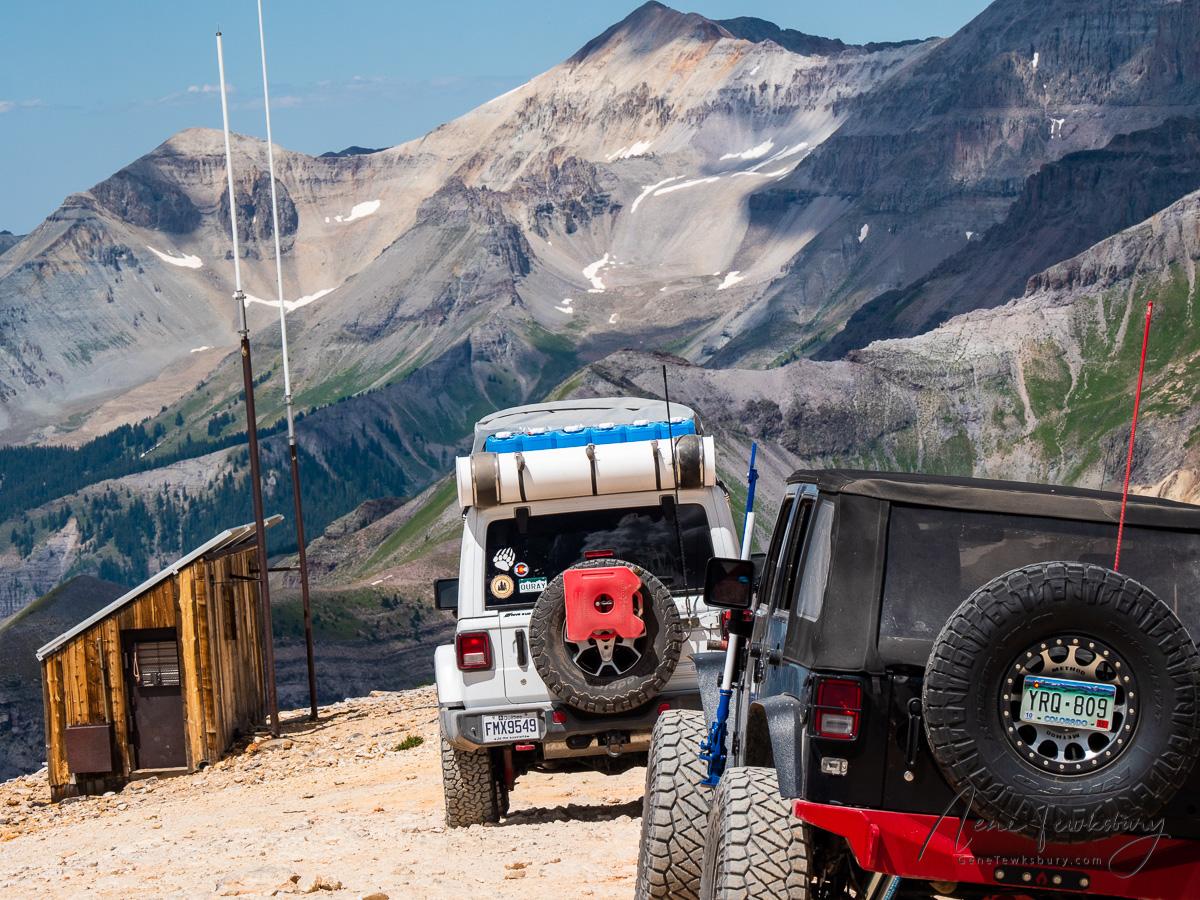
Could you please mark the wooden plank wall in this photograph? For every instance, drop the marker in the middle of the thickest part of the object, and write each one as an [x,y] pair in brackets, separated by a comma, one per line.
[220,666]
[235,683]
[84,680]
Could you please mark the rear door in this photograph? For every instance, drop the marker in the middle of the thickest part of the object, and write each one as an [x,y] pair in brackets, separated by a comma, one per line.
[156,698]
[522,683]
[770,675]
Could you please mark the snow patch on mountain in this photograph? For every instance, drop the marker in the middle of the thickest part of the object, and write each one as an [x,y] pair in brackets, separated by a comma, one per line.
[184,262]
[686,184]
[648,189]
[863,232]
[756,152]
[592,273]
[731,278]
[360,211]
[638,148]
[290,305]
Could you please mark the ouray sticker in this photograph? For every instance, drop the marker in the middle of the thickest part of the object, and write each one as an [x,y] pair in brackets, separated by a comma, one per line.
[502,587]
[503,559]
[521,570]
[531,585]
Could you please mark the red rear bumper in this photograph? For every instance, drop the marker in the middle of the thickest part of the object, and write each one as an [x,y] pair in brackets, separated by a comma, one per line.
[950,849]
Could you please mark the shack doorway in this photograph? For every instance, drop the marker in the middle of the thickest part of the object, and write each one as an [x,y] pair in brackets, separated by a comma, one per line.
[155,698]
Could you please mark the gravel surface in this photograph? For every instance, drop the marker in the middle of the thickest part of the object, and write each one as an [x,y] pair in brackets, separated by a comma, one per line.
[333,809]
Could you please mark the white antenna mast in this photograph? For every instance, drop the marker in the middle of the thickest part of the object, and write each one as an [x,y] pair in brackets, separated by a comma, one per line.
[287,376]
[287,381]
[260,531]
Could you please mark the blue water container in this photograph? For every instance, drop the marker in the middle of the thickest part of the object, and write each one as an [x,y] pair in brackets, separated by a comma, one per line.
[537,439]
[504,442]
[606,434]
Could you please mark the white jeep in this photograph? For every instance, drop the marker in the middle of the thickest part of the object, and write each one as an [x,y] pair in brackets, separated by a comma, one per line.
[587,525]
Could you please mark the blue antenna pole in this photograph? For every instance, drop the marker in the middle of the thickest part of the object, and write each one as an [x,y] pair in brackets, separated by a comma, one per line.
[712,748]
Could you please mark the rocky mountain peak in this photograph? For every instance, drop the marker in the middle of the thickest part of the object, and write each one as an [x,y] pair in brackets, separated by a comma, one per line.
[758,30]
[649,28]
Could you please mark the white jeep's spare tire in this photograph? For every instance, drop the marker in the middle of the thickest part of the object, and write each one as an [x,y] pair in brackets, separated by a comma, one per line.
[614,676]
[1061,698]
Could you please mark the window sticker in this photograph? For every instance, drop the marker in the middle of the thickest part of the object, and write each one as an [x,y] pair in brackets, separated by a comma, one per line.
[521,569]
[502,587]
[503,559]
[531,585]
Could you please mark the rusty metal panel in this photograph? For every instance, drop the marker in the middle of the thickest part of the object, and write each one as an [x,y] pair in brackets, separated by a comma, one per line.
[89,748]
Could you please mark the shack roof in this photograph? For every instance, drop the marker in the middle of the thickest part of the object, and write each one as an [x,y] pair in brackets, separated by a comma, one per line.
[1014,497]
[228,538]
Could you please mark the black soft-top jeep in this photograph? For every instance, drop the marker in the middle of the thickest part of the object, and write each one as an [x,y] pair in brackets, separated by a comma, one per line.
[946,690]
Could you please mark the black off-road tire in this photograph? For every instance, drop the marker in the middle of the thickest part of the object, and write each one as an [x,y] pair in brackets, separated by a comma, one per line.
[754,846]
[966,675]
[674,809]
[473,793]
[663,643]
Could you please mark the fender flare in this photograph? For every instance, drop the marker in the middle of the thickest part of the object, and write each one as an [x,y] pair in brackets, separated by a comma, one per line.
[774,733]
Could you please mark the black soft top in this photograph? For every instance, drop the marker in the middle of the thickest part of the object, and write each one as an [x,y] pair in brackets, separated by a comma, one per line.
[1016,497]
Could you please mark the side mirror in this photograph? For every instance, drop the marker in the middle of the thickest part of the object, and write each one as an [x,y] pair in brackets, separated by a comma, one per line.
[445,594]
[729,583]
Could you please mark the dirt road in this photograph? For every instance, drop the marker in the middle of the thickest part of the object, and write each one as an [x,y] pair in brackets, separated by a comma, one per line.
[334,809]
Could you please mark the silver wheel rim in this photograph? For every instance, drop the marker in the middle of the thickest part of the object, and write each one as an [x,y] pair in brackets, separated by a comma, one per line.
[1069,751]
[596,656]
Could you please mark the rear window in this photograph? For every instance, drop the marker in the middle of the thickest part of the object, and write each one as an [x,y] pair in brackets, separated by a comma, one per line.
[938,557]
[520,563]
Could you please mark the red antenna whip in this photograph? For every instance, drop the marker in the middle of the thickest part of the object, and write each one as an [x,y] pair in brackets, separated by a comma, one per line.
[1137,402]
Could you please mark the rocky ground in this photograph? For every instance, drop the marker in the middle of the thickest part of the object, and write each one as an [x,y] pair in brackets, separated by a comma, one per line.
[335,809]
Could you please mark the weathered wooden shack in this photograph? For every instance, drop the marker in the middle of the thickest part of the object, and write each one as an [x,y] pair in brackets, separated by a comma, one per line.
[162,680]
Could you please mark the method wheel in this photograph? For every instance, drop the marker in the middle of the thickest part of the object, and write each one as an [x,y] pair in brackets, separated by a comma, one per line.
[674,809]
[610,676]
[474,796]
[1089,631]
[754,845]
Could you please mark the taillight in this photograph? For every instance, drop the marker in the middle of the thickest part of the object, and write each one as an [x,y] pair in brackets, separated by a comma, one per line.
[838,709]
[474,650]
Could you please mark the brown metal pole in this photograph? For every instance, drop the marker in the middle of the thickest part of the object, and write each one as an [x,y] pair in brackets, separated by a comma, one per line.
[260,531]
[308,632]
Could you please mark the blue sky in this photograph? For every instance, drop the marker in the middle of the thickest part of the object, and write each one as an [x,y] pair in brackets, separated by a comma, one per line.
[86,88]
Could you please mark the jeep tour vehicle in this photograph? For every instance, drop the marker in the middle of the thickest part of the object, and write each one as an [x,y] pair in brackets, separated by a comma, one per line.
[947,691]
[587,525]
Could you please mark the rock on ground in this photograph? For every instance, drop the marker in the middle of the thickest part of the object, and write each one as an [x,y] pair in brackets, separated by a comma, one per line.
[329,810]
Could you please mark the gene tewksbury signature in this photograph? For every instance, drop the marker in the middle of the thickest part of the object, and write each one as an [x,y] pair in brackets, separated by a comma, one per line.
[1142,832]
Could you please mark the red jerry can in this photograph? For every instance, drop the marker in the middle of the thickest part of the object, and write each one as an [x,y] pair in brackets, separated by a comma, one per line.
[603,602]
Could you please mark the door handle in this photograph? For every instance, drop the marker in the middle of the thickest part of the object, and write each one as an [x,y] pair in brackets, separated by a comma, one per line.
[522,653]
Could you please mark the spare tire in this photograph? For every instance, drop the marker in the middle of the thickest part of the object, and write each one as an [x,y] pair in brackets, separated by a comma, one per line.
[614,678]
[1058,631]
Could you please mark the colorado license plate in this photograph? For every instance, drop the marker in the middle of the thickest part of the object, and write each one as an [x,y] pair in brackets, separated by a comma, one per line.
[511,727]
[1068,704]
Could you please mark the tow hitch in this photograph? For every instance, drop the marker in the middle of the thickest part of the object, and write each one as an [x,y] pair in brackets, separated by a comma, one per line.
[614,741]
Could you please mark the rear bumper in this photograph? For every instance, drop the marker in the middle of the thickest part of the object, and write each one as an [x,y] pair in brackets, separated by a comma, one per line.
[462,727]
[933,848]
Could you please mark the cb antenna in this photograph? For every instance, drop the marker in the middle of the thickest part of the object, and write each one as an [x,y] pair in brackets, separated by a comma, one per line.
[675,481]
